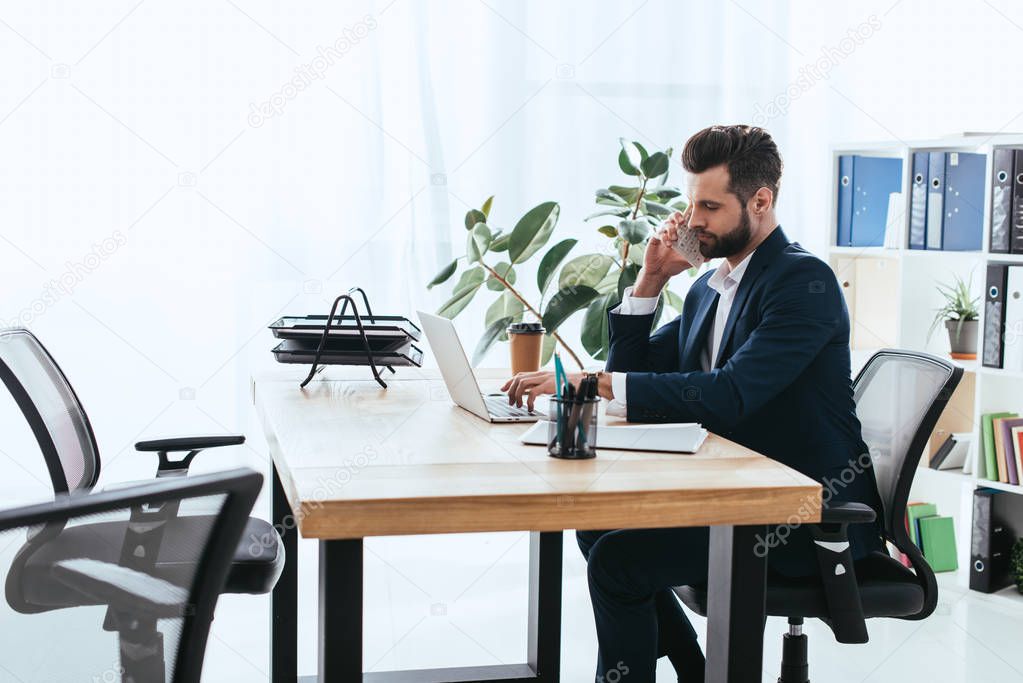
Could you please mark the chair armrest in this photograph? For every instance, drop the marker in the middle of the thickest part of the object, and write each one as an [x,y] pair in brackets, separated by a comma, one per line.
[847,513]
[838,574]
[193,444]
[190,443]
[122,588]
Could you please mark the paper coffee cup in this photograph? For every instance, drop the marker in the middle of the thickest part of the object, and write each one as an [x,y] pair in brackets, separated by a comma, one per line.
[526,341]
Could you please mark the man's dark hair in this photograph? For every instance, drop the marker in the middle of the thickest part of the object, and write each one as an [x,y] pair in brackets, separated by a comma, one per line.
[750,153]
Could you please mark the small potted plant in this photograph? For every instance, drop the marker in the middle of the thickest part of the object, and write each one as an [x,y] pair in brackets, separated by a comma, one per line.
[959,314]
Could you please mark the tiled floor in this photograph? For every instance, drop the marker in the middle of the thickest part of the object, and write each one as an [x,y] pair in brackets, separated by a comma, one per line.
[439,601]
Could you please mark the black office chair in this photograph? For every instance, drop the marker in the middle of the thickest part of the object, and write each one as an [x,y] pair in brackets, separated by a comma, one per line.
[143,618]
[68,445]
[899,396]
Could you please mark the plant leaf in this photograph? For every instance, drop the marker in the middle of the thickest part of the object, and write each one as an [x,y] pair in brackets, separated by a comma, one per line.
[490,336]
[654,165]
[674,300]
[505,270]
[610,282]
[547,349]
[472,217]
[632,154]
[550,262]
[594,327]
[477,243]
[642,152]
[621,213]
[627,277]
[564,303]
[609,197]
[532,231]
[657,209]
[499,242]
[444,274]
[465,289]
[626,165]
[608,230]
[634,231]
[486,206]
[664,192]
[586,270]
[629,194]
[504,306]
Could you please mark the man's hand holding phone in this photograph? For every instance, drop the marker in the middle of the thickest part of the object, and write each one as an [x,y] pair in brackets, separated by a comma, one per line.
[663,259]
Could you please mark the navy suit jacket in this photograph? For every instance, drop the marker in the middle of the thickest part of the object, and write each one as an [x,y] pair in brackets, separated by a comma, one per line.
[781,384]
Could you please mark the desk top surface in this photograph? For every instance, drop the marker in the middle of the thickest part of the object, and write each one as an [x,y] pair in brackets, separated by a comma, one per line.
[358,460]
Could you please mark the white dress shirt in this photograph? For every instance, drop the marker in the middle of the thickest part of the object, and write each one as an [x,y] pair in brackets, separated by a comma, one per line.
[724,281]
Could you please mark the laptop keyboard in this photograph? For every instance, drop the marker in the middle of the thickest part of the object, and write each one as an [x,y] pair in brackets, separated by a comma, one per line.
[499,407]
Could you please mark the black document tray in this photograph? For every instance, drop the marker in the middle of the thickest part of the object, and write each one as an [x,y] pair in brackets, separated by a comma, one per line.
[310,327]
[294,351]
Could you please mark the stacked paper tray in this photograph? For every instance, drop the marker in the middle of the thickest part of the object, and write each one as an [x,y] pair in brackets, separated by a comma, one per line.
[389,337]
[292,351]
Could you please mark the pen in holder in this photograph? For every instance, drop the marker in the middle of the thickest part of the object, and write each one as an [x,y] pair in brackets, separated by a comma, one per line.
[572,427]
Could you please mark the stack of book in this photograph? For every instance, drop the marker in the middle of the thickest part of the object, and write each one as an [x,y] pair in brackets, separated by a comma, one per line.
[1002,448]
[933,534]
[1007,201]
[866,185]
[997,525]
[946,201]
[1003,317]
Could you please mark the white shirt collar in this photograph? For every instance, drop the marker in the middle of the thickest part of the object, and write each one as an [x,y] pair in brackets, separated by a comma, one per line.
[725,277]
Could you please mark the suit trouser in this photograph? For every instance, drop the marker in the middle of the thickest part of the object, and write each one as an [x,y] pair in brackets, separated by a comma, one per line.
[630,573]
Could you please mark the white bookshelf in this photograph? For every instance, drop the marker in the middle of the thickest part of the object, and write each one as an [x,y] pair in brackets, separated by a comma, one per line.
[892,302]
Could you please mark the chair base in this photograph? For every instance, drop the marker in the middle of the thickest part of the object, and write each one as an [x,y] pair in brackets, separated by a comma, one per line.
[794,665]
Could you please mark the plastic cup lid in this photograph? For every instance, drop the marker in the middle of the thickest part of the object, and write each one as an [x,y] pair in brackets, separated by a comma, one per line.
[526,328]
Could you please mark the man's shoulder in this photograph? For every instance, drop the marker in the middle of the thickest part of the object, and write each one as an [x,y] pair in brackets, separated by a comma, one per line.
[795,259]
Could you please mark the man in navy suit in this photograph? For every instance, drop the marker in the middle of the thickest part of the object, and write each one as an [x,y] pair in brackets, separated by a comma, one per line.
[760,355]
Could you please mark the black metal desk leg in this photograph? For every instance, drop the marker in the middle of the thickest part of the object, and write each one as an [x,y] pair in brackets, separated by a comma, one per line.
[340,641]
[544,638]
[735,605]
[284,599]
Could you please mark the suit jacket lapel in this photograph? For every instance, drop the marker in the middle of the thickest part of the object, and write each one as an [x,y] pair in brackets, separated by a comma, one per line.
[697,337]
[762,258]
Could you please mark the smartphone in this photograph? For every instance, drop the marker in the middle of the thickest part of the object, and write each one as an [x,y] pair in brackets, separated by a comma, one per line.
[689,246]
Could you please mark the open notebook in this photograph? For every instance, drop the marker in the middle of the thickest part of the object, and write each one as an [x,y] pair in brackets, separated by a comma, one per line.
[681,437]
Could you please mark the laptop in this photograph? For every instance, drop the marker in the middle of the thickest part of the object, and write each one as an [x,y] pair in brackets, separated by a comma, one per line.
[460,379]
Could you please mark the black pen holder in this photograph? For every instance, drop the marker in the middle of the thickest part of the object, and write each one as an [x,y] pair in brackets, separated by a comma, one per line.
[572,428]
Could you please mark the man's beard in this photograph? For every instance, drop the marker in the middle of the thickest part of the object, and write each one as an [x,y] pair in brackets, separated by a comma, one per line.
[732,242]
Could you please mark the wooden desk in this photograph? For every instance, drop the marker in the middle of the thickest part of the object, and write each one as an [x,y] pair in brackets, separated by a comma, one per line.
[353,460]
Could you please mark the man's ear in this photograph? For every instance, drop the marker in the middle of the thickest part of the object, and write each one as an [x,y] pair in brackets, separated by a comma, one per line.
[761,201]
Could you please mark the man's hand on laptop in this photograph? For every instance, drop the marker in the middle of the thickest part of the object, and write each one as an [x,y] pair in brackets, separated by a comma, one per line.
[533,384]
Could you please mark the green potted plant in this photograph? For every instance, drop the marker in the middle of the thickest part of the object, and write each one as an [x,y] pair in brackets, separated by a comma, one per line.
[959,314]
[1016,563]
[588,282]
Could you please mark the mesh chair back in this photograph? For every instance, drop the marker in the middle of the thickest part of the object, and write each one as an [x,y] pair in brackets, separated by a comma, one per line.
[899,396]
[138,612]
[52,409]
